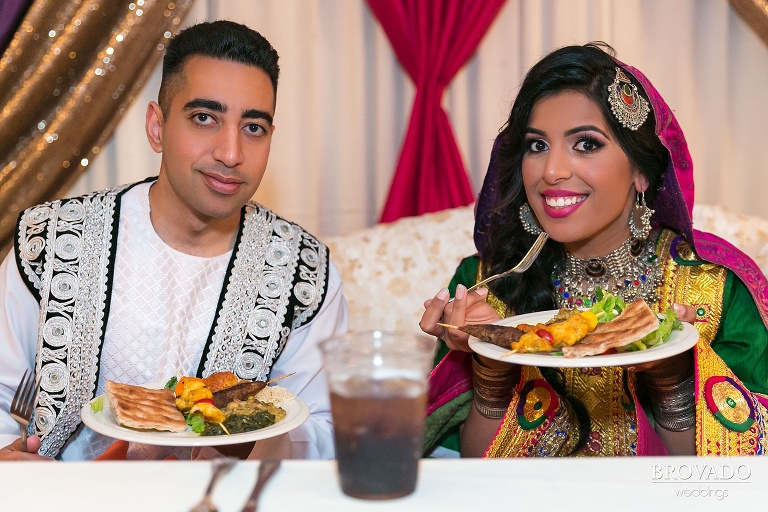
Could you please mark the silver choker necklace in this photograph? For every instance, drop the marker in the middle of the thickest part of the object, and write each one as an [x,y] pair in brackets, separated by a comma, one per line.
[630,271]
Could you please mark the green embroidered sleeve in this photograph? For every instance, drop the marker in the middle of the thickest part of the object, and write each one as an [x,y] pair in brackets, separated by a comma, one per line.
[742,340]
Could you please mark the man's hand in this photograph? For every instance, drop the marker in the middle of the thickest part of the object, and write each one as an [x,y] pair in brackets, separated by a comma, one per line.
[13,450]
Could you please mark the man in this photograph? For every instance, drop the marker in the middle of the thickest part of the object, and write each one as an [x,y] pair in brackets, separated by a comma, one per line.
[181,273]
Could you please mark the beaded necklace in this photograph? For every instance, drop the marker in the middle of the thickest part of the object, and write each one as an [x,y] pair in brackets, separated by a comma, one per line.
[630,271]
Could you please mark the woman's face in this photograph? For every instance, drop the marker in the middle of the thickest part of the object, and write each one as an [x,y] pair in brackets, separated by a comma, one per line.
[579,182]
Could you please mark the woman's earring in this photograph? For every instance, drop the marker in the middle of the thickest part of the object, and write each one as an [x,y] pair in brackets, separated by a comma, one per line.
[529,221]
[640,218]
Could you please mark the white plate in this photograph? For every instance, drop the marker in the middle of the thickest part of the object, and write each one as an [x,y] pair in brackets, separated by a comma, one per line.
[678,341]
[103,422]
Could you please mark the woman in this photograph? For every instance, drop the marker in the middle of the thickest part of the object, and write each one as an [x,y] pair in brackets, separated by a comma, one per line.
[592,155]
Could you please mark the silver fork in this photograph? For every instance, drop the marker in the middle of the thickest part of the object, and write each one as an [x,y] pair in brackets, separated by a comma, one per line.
[267,468]
[521,267]
[218,468]
[23,403]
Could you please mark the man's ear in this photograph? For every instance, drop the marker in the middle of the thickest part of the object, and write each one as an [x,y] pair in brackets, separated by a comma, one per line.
[154,126]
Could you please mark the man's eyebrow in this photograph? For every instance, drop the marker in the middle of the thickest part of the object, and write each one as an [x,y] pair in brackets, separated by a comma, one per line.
[203,103]
[253,113]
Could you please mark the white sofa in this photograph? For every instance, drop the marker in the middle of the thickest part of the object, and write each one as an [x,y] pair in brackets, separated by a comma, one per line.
[390,269]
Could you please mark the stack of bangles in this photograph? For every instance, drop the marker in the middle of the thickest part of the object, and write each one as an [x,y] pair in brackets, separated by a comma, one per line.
[493,388]
[672,402]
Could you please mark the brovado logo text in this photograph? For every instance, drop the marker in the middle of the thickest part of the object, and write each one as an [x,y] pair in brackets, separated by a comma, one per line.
[699,473]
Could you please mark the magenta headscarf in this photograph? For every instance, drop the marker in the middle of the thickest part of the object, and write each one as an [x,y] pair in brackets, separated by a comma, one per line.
[673,203]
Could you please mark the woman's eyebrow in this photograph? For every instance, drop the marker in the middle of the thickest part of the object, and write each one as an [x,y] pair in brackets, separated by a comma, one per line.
[586,128]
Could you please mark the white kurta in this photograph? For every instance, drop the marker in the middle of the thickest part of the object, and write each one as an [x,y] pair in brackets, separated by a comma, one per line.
[162,306]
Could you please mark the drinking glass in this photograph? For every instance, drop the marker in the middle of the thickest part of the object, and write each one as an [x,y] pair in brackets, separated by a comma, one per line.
[378,386]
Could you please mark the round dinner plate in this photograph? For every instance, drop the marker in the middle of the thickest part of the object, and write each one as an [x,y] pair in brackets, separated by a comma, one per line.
[103,422]
[678,341]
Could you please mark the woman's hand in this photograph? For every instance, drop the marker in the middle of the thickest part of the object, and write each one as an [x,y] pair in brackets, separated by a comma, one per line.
[466,308]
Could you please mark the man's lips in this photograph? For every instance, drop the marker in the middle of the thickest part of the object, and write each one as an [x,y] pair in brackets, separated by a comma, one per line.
[222,184]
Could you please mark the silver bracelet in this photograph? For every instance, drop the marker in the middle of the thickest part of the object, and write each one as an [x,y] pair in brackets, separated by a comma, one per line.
[494,413]
[673,406]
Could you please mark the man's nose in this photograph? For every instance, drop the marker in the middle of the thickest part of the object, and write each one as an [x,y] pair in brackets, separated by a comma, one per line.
[228,146]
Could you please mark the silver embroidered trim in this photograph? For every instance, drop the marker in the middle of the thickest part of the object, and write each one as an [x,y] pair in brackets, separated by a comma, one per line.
[251,330]
[71,279]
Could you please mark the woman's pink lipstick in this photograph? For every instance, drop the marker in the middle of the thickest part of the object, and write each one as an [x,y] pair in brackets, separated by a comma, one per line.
[562,203]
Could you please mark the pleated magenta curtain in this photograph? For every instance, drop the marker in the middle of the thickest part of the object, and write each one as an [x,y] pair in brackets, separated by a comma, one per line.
[432,39]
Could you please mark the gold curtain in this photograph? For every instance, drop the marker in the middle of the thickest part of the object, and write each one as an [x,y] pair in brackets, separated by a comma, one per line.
[755,14]
[66,79]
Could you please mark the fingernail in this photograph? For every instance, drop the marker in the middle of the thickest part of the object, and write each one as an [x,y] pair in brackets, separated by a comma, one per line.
[678,308]
[461,291]
[443,294]
[482,292]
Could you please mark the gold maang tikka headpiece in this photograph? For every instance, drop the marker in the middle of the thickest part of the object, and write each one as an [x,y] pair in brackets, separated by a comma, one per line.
[627,105]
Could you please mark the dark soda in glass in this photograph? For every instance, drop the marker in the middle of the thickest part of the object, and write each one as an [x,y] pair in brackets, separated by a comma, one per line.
[379,429]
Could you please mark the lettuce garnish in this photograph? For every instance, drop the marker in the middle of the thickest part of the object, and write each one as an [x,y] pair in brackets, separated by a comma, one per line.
[171,384]
[608,306]
[666,325]
[97,404]
[196,421]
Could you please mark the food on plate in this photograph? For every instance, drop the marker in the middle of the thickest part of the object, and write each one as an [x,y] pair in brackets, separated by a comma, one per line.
[235,406]
[221,380]
[193,395]
[246,415]
[143,408]
[609,325]
[223,404]
[501,335]
[633,323]
[239,391]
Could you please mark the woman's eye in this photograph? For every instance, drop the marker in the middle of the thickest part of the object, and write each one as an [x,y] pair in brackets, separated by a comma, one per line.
[536,146]
[588,145]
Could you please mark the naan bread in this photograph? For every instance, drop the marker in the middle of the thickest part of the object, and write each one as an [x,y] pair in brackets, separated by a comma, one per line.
[636,321]
[144,408]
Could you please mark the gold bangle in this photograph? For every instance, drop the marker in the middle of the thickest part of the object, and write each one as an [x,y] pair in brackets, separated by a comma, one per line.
[493,388]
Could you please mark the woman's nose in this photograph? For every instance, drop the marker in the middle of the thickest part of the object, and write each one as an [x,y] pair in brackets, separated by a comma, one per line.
[558,167]
[228,146]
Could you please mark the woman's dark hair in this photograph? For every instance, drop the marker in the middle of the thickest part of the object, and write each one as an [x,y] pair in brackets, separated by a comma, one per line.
[589,70]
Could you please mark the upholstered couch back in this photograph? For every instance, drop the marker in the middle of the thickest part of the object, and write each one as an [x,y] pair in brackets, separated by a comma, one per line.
[390,269]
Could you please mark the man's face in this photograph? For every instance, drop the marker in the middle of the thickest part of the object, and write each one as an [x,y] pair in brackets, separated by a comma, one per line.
[215,139]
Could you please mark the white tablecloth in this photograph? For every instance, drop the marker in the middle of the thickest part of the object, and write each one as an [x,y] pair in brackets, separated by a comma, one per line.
[641,484]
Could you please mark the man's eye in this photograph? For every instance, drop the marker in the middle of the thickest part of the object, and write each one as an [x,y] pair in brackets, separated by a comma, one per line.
[202,118]
[255,129]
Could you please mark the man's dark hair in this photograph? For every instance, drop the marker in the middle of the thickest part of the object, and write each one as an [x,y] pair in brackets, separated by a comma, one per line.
[222,40]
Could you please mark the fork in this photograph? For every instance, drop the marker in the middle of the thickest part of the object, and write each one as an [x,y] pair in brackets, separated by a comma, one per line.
[267,468]
[521,267]
[218,468]
[23,403]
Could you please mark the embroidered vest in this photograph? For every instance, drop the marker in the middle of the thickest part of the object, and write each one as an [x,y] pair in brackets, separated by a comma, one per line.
[275,282]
